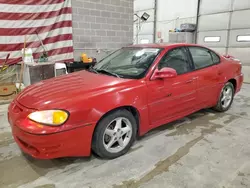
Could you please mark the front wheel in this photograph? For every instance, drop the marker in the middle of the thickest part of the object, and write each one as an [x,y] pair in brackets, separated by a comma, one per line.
[114,134]
[226,98]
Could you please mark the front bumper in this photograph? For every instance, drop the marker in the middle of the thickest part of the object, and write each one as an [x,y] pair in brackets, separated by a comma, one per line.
[69,143]
[72,143]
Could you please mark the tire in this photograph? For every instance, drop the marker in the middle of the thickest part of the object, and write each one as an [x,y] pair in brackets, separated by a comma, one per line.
[223,106]
[111,129]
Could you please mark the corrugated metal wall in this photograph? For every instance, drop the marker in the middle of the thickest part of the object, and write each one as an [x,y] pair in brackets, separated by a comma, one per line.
[224,26]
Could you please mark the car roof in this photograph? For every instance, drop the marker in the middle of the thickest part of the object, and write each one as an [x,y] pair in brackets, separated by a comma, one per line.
[162,45]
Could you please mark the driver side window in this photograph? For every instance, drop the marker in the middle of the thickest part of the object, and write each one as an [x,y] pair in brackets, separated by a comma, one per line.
[176,59]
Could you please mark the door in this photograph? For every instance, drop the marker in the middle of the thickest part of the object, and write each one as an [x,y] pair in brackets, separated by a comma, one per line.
[206,68]
[172,97]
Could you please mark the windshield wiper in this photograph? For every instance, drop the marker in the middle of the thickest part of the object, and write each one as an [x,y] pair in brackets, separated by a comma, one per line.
[107,72]
[91,69]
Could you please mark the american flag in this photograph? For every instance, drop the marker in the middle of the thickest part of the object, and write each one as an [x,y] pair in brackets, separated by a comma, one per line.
[51,19]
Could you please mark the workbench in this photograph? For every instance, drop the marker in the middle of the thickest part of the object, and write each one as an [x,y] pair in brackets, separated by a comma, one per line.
[78,65]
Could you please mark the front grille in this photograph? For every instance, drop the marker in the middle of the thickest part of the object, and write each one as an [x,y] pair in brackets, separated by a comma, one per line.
[27,146]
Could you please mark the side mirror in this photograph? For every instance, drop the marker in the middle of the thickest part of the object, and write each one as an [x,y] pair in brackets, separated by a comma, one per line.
[164,73]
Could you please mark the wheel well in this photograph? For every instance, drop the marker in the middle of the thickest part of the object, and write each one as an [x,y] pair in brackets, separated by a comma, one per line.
[131,109]
[233,81]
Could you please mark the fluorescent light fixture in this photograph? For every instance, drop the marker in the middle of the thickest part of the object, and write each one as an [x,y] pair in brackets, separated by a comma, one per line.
[212,39]
[243,38]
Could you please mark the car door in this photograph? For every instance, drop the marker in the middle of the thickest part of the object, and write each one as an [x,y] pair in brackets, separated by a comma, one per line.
[173,97]
[206,68]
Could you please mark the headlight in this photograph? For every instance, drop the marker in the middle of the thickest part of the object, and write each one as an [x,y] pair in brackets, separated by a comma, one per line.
[49,117]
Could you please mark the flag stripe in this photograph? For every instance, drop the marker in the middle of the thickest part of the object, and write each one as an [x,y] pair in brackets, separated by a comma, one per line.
[31,23]
[33,38]
[35,44]
[66,57]
[55,45]
[11,61]
[34,16]
[31,2]
[27,31]
[57,55]
[33,8]
[56,52]
[51,19]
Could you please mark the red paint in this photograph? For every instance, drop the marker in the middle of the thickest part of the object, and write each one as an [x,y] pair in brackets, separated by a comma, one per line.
[29,30]
[34,16]
[37,44]
[31,2]
[88,97]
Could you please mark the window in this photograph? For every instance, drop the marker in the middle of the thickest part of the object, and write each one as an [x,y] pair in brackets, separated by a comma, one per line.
[243,38]
[202,57]
[129,62]
[215,57]
[176,59]
[212,39]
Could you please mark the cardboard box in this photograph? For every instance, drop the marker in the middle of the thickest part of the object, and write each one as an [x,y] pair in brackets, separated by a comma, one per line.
[7,91]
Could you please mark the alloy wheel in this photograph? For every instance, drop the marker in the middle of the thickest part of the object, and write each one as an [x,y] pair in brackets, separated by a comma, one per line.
[117,135]
[227,96]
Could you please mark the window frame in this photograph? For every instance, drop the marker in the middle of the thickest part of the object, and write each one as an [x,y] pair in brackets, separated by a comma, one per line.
[210,51]
[188,57]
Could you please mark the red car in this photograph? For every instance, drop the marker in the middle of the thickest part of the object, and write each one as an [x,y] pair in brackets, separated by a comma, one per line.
[128,93]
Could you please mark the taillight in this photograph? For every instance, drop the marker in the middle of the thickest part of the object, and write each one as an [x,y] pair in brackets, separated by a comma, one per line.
[240,67]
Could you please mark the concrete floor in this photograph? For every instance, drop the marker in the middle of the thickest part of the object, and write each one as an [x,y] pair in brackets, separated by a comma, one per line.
[205,150]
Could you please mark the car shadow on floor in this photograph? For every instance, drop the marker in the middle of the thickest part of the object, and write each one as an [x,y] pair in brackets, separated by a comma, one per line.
[60,163]
[189,123]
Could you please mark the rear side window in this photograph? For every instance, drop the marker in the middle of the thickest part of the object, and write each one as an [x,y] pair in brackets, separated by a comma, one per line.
[203,57]
[215,57]
[176,59]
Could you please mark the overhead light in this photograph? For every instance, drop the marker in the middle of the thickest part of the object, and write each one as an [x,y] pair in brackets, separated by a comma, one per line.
[145,16]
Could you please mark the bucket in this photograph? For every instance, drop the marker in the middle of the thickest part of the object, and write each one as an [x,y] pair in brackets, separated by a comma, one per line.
[27,57]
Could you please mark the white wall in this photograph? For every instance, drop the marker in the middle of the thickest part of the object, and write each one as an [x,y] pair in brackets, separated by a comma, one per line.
[167,13]
[147,29]
[172,13]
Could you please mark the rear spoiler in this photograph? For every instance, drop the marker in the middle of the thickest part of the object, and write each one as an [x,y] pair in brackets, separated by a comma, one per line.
[229,56]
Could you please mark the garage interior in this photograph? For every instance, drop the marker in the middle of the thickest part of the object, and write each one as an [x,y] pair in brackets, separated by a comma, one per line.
[206,149]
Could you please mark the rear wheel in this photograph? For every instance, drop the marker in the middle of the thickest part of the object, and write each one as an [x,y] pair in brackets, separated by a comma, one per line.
[114,134]
[226,98]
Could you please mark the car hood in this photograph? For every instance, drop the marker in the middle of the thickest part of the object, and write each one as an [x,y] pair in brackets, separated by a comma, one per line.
[56,92]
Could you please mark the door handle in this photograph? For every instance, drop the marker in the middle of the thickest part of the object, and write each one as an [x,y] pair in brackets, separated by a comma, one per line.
[191,80]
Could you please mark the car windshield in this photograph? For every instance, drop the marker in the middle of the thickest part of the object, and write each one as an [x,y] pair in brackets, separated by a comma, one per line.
[128,62]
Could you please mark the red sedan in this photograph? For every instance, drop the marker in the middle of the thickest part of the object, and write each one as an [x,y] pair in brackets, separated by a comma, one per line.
[125,95]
